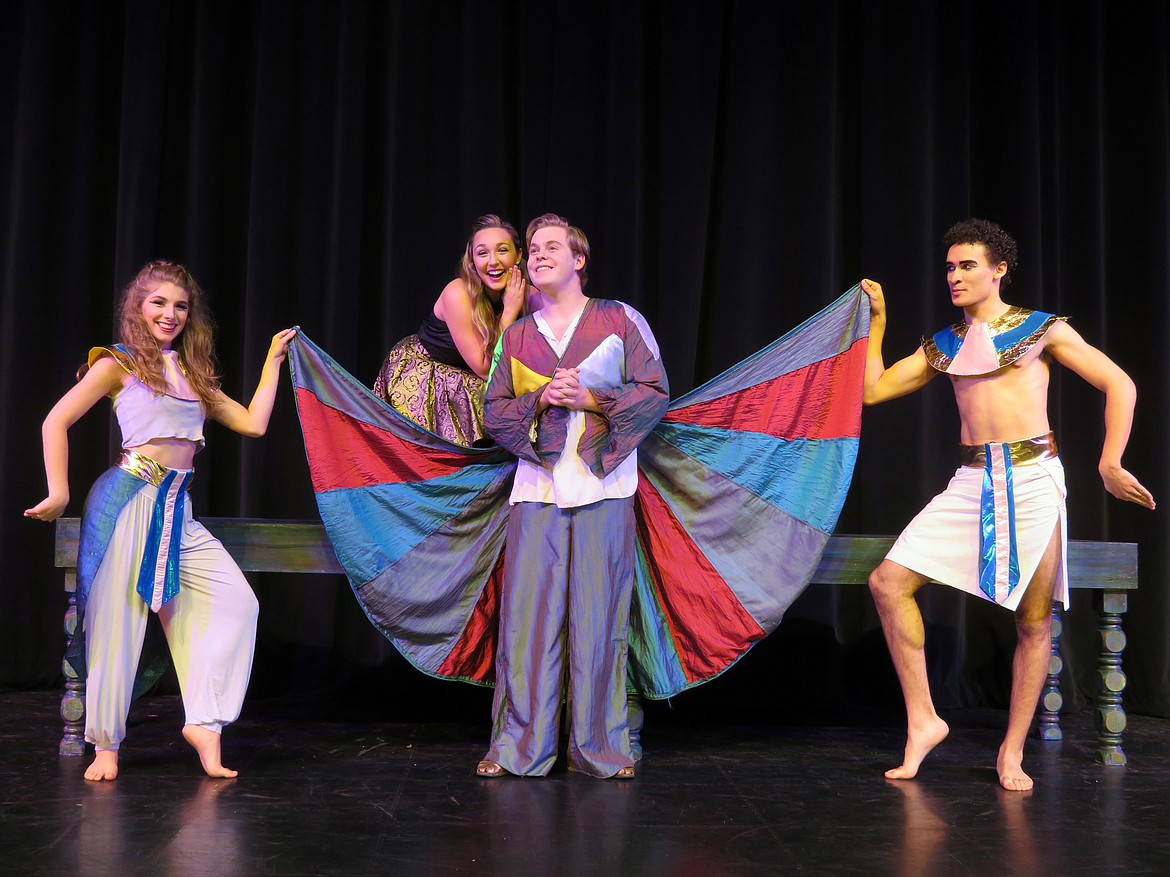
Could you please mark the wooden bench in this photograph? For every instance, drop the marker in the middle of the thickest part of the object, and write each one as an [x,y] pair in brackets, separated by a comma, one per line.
[303,547]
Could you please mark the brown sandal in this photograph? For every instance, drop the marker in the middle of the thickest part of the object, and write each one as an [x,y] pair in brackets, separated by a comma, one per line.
[625,773]
[489,769]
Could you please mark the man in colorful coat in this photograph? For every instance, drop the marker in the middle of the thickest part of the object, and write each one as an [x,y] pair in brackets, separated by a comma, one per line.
[998,531]
[575,389]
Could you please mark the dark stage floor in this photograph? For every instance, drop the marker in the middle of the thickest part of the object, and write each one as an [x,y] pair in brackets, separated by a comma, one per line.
[318,797]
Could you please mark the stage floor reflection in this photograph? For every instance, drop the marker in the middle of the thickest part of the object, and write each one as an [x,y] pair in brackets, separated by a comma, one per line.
[319,797]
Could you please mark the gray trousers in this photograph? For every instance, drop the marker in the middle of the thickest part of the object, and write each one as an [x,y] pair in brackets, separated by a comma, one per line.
[564,611]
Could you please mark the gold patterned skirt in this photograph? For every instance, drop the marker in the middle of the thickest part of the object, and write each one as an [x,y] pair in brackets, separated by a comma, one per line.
[443,398]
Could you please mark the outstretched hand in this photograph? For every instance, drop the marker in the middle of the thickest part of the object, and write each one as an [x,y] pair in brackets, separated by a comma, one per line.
[1121,484]
[48,509]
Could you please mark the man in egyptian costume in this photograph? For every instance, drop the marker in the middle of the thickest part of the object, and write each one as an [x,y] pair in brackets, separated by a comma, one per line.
[998,531]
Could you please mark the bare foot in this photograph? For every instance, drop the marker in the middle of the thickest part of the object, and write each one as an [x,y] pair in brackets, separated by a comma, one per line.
[625,773]
[206,743]
[104,766]
[919,742]
[1011,772]
[487,768]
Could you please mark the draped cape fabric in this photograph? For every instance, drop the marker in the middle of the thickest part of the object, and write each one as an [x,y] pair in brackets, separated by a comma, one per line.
[739,487]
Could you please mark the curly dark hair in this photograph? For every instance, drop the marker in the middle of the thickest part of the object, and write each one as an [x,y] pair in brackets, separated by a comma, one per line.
[1000,246]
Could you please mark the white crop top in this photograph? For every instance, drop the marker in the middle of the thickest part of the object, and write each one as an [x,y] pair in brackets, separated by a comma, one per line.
[143,416]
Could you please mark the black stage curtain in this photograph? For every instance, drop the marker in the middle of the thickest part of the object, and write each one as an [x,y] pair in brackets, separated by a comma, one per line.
[737,165]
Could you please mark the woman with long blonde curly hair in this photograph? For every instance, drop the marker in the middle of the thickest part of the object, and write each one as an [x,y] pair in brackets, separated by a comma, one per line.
[436,377]
[195,346]
[141,551]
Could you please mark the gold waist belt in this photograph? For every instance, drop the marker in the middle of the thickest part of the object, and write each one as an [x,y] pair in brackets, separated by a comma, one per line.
[1030,450]
[144,467]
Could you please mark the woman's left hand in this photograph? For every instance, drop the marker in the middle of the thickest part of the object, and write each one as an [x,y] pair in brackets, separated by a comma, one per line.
[516,292]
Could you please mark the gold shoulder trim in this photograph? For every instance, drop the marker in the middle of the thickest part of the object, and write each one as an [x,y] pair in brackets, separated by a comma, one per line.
[119,356]
[934,357]
[1008,320]
[1010,354]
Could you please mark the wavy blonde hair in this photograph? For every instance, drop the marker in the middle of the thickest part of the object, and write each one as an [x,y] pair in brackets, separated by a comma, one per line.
[484,318]
[195,344]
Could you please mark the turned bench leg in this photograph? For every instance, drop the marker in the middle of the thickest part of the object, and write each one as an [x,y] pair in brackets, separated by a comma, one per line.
[1051,699]
[1110,716]
[73,701]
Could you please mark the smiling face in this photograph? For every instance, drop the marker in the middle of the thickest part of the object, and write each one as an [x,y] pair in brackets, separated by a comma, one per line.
[493,253]
[165,310]
[552,264]
[973,281]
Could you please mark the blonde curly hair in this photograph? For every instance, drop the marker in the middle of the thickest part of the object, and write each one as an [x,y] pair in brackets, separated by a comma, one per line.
[195,344]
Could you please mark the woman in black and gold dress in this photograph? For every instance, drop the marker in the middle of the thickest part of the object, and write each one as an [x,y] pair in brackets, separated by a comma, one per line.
[437,376]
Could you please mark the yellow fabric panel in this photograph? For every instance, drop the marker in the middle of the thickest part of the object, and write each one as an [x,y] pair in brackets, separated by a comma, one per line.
[525,380]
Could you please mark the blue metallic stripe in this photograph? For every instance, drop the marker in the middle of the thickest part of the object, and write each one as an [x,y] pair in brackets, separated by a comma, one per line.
[171,584]
[999,562]
[145,586]
[148,571]
[1013,569]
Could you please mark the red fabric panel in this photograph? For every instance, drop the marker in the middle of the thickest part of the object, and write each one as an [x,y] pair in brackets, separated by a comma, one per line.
[805,403]
[348,453]
[709,627]
[474,655]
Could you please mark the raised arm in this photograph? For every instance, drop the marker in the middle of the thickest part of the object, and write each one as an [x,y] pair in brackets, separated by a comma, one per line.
[903,377]
[1067,347]
[253,420]
[454,309]
[104,378]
